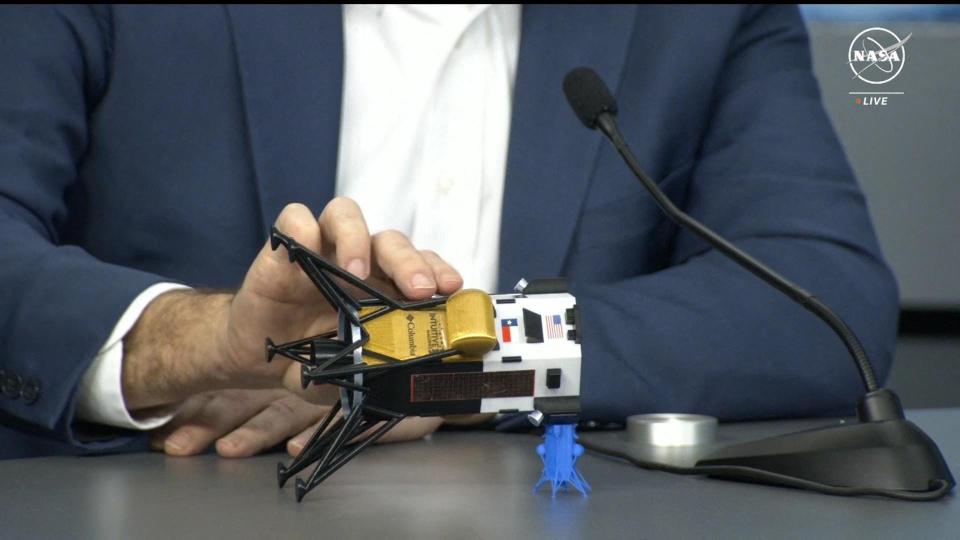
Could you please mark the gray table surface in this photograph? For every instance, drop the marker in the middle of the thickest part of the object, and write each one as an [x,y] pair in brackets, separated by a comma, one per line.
[454,485]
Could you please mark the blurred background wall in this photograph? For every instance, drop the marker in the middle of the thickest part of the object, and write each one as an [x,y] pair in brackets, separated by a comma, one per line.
[907,157]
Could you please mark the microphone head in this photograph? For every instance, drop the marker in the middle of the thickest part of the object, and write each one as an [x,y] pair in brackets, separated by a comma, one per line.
[588,95]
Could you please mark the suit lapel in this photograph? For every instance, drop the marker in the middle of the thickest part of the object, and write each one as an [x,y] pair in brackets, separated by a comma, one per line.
[290,62]
[551,155]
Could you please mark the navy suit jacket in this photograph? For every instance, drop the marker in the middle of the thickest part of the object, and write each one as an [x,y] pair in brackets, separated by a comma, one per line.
[141,144]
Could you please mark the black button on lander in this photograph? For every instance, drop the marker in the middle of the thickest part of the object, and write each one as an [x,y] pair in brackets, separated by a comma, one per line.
[553,378]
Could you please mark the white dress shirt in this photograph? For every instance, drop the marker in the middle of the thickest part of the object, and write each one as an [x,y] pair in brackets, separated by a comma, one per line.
[425,123]
[100,396]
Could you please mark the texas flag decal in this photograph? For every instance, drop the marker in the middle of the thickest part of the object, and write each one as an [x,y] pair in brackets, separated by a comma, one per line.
[505,326]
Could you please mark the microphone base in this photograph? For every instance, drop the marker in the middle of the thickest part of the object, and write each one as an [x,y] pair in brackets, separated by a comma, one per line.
[893,455]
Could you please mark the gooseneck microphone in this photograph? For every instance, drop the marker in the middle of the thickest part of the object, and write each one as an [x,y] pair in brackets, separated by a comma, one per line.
[596,107]
[882,455]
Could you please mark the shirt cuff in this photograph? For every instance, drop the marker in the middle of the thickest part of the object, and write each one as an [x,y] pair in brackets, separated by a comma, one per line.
[100,396]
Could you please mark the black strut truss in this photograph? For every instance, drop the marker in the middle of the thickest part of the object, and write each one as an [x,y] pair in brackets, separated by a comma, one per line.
[332,448]
[335,357]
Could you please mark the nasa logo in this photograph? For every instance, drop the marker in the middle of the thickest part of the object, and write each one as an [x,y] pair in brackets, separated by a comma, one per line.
[876,55]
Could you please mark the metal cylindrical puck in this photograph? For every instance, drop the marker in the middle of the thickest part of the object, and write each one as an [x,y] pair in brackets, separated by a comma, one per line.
[671,429]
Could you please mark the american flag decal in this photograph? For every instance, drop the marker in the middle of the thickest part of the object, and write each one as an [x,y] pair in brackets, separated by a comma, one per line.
[554,327]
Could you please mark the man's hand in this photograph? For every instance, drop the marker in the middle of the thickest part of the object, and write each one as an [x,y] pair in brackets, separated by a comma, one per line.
[187,343]
[243,423]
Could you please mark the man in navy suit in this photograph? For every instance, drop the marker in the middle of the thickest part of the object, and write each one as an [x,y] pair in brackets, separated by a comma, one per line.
[147,145]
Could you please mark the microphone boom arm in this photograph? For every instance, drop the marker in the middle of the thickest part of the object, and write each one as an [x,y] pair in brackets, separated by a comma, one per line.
[608,125]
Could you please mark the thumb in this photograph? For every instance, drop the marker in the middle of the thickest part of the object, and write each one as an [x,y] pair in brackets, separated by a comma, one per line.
[273,275]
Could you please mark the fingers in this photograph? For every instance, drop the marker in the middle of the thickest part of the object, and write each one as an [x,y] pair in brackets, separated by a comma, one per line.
[296,444]
[278,421]
[448,279]
[343,227]
[246,422]
[412,428]
[158,437]
[409,429]
[402,263]
[209,417]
